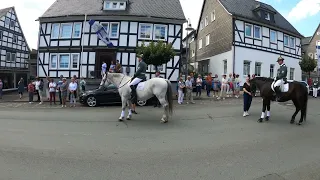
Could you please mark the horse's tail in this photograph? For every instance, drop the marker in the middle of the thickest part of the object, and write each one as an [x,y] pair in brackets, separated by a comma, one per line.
[169,96]
[305,105]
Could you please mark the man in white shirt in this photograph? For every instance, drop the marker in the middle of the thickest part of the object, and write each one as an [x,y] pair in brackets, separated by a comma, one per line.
[103,68]
[189,90]
[72,89]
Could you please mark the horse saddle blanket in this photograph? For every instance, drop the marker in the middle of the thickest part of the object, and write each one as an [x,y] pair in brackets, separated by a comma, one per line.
[283,87]
[140,86]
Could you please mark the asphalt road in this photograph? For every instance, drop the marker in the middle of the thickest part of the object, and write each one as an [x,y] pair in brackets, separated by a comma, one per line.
[208,140]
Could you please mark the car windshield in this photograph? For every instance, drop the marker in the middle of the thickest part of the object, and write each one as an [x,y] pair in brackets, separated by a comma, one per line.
[111,86]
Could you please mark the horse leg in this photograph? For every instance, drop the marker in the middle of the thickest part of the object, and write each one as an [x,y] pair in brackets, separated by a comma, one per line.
[124,104]
[296,104]
[268,110]
[303,111]
[264,104]
[165,105]
[129,110]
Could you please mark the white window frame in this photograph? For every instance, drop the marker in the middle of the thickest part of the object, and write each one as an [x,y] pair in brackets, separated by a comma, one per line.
[71,60]
[15,39]
[192,53]
[267,16]
[207,39]
[276,38]
[258,65]
[271,70]
[61,54]
[110,29]
[245,26]
[106,24]
[118,7]
[57,60]
[245,74]
[294,41]
[124,5]
[52,28]
[151,30]
[60,34]
[288,43]
[260,32]
[7,21]
[213,15]
[200,43]
[80,30]
[225,66]
[201,25]
[154,32]
[8,59]
[206,21]
[292,73]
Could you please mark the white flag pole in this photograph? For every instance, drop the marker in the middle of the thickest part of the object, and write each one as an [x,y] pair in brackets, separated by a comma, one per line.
[84,27]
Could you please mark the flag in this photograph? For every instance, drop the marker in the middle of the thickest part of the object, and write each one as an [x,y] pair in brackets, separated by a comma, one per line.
[101,32]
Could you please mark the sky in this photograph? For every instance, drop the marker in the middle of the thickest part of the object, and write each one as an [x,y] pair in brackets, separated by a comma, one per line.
[303,14]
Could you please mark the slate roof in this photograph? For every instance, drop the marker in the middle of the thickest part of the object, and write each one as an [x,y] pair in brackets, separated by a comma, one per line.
[244,8]
[4,11]
[170,9]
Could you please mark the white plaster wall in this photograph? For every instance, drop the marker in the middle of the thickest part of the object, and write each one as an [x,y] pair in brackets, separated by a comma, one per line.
[216,63]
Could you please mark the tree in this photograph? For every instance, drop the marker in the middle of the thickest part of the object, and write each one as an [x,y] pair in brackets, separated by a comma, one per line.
[156,53]
[307,64]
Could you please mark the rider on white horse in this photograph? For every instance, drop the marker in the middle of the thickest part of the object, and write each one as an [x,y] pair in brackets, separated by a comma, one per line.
[281,77]
[137,78]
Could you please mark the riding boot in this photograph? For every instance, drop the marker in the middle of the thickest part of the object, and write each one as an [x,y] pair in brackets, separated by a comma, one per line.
[133,94]
[278,93]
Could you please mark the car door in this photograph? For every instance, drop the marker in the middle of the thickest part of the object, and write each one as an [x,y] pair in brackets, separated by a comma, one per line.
[111,95]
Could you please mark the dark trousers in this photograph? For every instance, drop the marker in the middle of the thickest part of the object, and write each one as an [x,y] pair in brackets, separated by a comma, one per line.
[247,99]
[74,93]
[198,88]
[60,98]
[31,94]
[52,96]
[38,95]
[208,89]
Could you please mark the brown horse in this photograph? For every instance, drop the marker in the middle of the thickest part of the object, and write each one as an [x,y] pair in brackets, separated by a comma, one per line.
[297,92]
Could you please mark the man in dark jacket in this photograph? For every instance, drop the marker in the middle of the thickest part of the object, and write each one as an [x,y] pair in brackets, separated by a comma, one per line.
[137,78]
[281,77]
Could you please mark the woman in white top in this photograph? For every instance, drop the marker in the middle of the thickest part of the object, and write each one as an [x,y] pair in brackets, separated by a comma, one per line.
[72,89]
[199,85]
[52,91]
[224,86]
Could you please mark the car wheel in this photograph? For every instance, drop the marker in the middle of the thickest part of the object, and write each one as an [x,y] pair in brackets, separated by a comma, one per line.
[141,103]
[92,101]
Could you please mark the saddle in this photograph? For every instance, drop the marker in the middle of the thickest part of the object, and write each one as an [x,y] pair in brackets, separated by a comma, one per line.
[143,80]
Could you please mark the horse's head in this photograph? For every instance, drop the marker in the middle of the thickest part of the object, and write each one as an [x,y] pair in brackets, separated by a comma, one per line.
[105,82]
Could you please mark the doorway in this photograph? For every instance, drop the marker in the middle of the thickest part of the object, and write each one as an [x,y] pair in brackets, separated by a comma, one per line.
[103,56]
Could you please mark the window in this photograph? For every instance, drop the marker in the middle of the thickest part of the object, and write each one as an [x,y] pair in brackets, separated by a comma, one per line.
[193,53]
[122,5]
[1,35]
[246,68]
[292,44]
[257,69]
[206,21]
[66,31]
[15,39]
[53,61]
[7,21]
[248,30]
[160,32]
[286,40]
[201,25]
[106,26]
[273,36]
[55,31]
[257,32]
[291,74]
[271,70]
[114,29]
[225,67]
[213,16]
[13,57]
[107,5]
[311,55]
[267,16]
[207,39]
[76,30]
[145,31]
[75,61]
[315,56]
[200,44]
[12,24]
[64,60]
[114,5]
[8,56]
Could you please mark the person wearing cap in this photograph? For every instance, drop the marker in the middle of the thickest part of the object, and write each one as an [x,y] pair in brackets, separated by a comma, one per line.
[281,77]
[138,76]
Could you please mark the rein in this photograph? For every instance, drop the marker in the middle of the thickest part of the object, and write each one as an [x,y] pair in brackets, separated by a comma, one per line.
[120,82]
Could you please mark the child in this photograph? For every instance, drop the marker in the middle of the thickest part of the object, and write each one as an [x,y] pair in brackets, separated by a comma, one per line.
[30,91]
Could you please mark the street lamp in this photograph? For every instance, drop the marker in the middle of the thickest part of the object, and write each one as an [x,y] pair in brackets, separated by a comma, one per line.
[189,28]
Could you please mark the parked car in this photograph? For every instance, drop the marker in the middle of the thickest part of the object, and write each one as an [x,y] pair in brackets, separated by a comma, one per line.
[106,96]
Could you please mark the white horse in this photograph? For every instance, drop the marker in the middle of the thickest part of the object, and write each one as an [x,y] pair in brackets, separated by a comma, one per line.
[159,87]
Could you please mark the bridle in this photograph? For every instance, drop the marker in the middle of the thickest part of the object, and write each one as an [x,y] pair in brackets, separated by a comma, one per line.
[106,79]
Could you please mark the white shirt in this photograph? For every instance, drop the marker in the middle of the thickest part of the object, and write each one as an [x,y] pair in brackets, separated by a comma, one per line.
[224,81]
[52,87]
[73,86]
[188,84]
[37,83]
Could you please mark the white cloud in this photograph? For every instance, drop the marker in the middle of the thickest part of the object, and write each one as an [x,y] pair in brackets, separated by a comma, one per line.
[304,9]
[192,11]
[27,12]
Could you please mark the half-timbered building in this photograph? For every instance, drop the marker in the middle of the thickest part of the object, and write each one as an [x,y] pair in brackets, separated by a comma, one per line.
[14,50]
[246,37]
[68,45]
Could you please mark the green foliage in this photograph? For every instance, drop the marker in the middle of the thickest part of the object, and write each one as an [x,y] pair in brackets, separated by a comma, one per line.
[307,64]
[156,53]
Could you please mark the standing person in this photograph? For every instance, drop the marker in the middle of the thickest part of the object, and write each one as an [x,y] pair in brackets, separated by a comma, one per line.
[230,86]
[21,88]
[237,86]
[58,88]
[46,87]
[137,78]
[157,75]
[72,89]
[118,67]
[247,97]
[181,90]
[199,85]
[103,68]
[1,86]
[112,68]
[64,92]
[41,91]
[178,79]
[82,85]
[30,91]
[281,78]
[189,88]
[209,83]
[216,86]
[253,87]
[193,81]
[36,84]
[315,89]
[52,91]
[224,87]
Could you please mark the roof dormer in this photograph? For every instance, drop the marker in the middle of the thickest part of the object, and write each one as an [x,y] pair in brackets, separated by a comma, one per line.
[264,12]
[113,5]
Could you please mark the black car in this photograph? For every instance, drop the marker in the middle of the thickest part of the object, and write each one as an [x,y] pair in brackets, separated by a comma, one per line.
[104,96]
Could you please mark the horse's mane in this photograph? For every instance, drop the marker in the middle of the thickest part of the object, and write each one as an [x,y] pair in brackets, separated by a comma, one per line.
[264,79]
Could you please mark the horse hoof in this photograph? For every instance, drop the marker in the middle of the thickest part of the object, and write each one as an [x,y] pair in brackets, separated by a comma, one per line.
[267,118]
[120,118]
[299,123]
[292,122]
[128,117]
[260,120]
[163,121]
